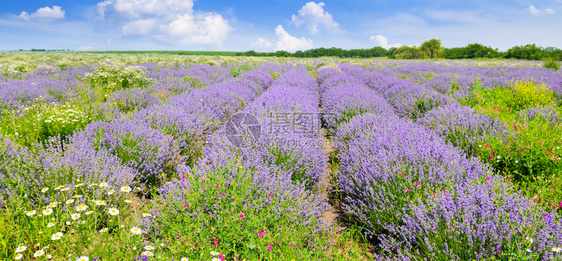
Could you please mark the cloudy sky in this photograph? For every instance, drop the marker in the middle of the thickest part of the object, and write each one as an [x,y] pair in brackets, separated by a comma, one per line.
[275,24]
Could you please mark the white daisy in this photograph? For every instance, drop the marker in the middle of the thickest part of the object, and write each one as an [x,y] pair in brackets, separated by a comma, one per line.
[39,253]
[18,256]
[184,259]
[81,207]
[43,190]
[57,236]
[148,248]
[103,230]
[136,231]
[146,215]
[21,249]
[113,211]
[51,224]
[79,185]
[147,253]
[83,258]
[110,192]
[126,189]
[52,204]
[214,253]
[82,222]
[70,201]
[128,201]
[103,185]
[100,202]
[47,211]
[30,213]
[75,216]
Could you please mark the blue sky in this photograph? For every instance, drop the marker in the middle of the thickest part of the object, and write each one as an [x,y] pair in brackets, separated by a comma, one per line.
[274,25]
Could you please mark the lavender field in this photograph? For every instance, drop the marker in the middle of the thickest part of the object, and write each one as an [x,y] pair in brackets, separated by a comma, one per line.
[171,157]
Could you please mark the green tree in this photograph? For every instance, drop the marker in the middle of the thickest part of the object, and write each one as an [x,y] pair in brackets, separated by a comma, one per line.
[432,48]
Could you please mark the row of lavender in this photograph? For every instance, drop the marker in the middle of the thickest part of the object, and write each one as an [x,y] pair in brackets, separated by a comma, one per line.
[287,161]
[458,79]
[136,149]
[419,196]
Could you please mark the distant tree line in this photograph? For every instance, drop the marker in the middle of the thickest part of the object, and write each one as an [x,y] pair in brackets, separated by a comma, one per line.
[427,50]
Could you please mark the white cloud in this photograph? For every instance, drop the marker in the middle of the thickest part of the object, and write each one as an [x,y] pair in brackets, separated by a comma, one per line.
[85,48]
[289,43]
[383,41]
[313,16]
[46,13]
[261,43]
[534,11]
[169,21]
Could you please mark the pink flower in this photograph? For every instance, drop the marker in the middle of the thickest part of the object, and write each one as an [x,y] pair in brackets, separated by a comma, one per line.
[268,247]
[241,215]
[523,149]
[260,233]
[185,206]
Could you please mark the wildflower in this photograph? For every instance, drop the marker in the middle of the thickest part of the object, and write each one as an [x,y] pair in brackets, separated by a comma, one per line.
[184,259]
[215,259]
[75,216]
[47,211]
[82,222]
[88,212]
[59,187]
[57,236]
[64,189]
[146,215]
[214,253]
[148,248]
[83,258]
[103,230]
[52,204]
[49,256]
[128,201]
[136,231]
[241,215]
[68,223]
[260,233]
[516,161]
[79,185]
[18,256]
[268,247]
[77,196]
[126,189]
[51,224]
[113,211]
[110,192]
[100,202]
[93,185]
[30,213]
[21,249]
[43,190]
[147,253]
[556,249]
[39,253]
[70,201]
[81,207]
[103,185]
